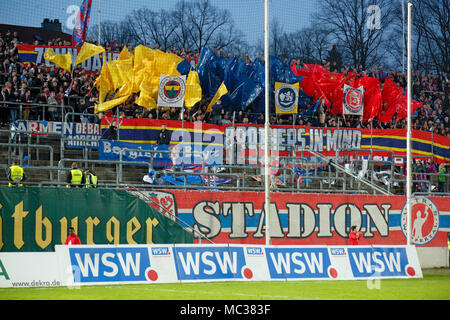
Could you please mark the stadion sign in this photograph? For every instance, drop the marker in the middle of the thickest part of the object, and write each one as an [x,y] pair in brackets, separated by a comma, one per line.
[79,135]
[312,219]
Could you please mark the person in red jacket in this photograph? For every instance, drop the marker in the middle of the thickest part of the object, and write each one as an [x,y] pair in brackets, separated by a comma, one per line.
[354,236]
[72,238]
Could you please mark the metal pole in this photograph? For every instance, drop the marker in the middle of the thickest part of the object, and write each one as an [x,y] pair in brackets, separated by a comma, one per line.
[403,32]
[408,134]
[267,125]
[99,24]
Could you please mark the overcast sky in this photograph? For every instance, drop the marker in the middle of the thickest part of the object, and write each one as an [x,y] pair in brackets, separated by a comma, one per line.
[247,14]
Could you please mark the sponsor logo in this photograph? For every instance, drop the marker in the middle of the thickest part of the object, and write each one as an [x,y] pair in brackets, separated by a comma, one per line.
[92,265]
[254,251]
[338,252]
[299,263]
[369,262]
[212,263]
[424,220]
[161,251]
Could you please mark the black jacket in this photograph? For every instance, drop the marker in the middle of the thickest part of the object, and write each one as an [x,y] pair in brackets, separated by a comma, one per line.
[164,137]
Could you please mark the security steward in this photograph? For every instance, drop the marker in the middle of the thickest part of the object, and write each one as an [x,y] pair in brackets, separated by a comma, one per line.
[15,175]
[76,177]
[91,179]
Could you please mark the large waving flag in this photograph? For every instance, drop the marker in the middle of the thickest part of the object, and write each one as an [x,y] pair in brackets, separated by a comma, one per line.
[193,93]
[88,50]
[81,23]
[62,60]
[220,92]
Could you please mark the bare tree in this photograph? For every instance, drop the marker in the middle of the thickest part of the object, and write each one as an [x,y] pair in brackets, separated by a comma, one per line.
[112,31]
[350,25]
[150,27]
[432,22]
[183,31]
[208,23]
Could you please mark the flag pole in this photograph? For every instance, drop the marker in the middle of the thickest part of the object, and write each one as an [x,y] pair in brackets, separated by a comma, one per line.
[408,134]
[403,33]
[266,125]
[99,24]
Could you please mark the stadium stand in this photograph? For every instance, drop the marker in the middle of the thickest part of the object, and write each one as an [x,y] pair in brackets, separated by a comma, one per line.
[38,92]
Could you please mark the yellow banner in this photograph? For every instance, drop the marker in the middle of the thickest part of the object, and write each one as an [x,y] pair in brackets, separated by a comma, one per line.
[286,98]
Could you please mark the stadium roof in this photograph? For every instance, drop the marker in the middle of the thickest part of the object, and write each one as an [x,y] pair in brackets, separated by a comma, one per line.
[30,34]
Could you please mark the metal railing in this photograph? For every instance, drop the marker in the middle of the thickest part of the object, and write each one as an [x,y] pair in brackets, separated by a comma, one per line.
[118,176]
[19,106]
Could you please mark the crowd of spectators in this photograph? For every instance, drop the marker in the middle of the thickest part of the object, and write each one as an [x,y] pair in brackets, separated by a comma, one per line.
[31,85]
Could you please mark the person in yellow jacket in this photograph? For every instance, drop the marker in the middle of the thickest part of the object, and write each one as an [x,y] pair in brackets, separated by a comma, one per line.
[91,178]
[16,175]
[76,178]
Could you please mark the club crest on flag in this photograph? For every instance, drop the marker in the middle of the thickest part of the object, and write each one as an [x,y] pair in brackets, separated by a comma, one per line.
[353,103]
[286,97]
[171,91]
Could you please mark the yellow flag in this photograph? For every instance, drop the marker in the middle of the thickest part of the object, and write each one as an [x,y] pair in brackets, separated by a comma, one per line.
[105,106]
[125,90]
[220,92]
[146,101]
[142,54]
[125,68]
[193,93]
[103,89]
[62,60]
[124,54]
[115,74]
[88,50]
[104,82]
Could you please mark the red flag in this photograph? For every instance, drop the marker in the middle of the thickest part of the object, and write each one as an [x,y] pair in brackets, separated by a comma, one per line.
[372,96]
[390,96]
[402,111]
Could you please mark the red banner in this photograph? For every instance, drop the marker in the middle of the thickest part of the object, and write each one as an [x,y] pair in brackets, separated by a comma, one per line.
[308,219]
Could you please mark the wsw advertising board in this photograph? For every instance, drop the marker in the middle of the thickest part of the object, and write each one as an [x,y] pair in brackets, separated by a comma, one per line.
[79,265]
[92,265]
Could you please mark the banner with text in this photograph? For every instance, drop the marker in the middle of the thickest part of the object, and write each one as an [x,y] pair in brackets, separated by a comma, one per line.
[241,141]
[78,134]
[36,219]
[312,219]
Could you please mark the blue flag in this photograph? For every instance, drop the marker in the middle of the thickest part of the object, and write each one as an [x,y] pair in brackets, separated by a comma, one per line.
[308,113]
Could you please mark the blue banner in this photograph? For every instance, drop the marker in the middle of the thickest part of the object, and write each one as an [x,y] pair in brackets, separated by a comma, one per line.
[78,134]
[180,155]
[111,149]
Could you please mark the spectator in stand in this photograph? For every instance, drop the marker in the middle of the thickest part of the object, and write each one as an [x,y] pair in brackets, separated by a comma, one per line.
[52,110]
[217,112]
[164,136]
[441,178]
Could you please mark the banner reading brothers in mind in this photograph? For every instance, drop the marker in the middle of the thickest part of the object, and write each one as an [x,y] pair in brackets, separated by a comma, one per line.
[171,91]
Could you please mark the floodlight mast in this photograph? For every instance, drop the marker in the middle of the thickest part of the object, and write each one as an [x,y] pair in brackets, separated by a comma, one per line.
[408,132]
[266,124]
